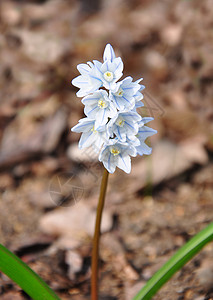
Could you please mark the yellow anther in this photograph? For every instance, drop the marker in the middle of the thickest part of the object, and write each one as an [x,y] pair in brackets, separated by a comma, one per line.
[108,76]
[120,122]
[93,130]
[114,151]
[119,93]
[102,104]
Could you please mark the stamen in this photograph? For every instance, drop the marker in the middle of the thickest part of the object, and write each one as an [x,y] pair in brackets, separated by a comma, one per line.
[119,93]
[114,151]
[102,104]
[120,122]
[93,130]
[108,76]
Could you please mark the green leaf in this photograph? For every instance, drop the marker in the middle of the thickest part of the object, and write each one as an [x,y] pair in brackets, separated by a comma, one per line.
[26,278]
[177,261]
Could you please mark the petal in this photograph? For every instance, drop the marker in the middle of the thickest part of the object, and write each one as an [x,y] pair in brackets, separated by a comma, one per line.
[138,96]
[108,159]
[100,139]
[112,111]
[86,140]
[132,117]
[124,163]
[84,125]
[80,81]
[104,94]
[83,68]
[110,164]
[97,64]
[118,69]
[101,118]
[104,67]
[145,132]
[109,53]
[132,150]
[90,100]
[128,102]
[126,81]
[146,120]
[131,127]
[144,149]
[95,83]
[91,110]
[120,132]
[142,87]
[82,93]
[117,102]
[139,104]
[139,80]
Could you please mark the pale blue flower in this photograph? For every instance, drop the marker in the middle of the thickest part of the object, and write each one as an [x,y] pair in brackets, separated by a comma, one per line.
[112,68]
[109,72]
[123,125]
[125,94]
[116,154]
[143,133]
[93,76]
[99,107]
[90,136]
[88,81]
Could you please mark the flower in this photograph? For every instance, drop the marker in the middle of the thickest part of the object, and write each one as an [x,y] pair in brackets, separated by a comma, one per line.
[99,107]
[124,95]
[123,125]
[143,133]
[109,72]
[90,136]
[112,125]
[117,154]
[88,82]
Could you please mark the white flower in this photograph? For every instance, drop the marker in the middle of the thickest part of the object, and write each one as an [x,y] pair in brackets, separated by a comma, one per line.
[124,94]
[87,82]
[123,125]
[117,154]
[143,133]
[109,72]
[90,136]
[99,107]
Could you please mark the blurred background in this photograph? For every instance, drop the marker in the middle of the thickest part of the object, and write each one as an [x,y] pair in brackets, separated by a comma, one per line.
[49,188]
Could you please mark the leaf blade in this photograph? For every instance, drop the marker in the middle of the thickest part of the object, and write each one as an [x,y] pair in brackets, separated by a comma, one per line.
[25,277]
[179,259]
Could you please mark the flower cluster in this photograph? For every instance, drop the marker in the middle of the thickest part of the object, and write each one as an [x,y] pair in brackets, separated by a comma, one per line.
[112,125]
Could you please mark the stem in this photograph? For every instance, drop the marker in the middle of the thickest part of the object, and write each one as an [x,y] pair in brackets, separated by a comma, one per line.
[95,250]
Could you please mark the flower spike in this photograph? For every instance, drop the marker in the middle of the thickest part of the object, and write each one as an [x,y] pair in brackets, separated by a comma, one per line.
[112,125]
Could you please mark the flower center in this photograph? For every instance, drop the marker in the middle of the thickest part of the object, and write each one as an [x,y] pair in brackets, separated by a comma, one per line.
[119,93]
[93,130]
[120,122]
[102,104]
[114,151]
[108,76]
